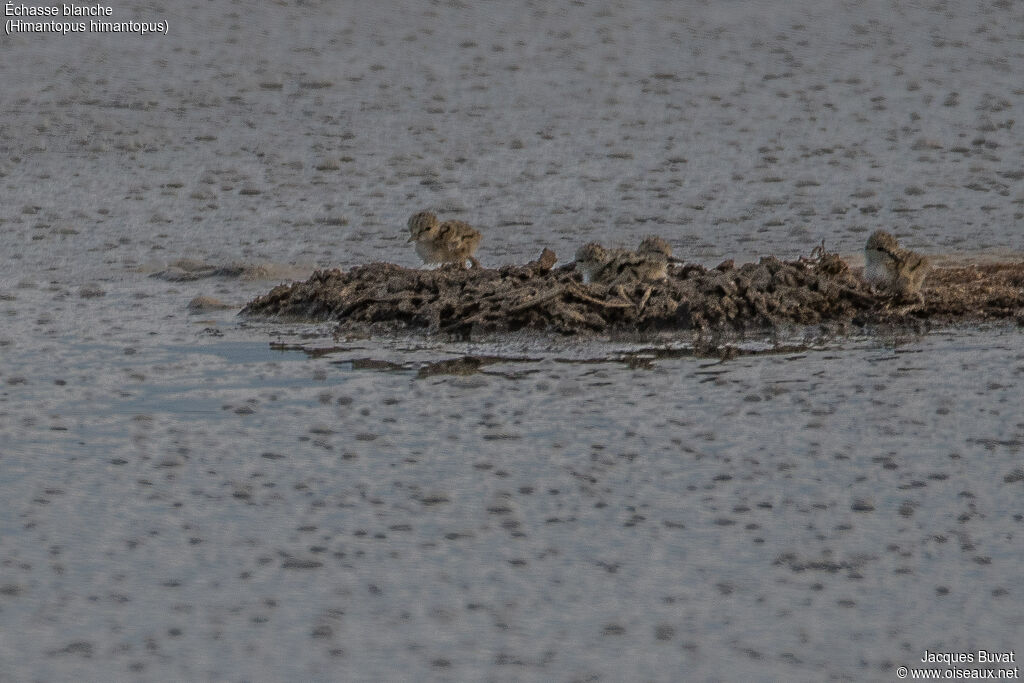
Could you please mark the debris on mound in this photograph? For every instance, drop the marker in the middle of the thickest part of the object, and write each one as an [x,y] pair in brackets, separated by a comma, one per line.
[974,292]
[767,294]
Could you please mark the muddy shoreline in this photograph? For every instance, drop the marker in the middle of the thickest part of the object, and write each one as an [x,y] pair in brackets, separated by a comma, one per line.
[762,296]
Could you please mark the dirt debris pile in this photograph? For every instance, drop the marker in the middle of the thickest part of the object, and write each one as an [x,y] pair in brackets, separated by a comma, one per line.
[385,297]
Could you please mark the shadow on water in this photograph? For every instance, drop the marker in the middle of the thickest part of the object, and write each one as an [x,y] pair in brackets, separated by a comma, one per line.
[640,353]
[639,357]
[243,352]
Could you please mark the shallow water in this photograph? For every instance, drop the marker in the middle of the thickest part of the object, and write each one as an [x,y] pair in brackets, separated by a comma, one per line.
[196,496]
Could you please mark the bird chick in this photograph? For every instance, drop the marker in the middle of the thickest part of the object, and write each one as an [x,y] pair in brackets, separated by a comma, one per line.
[651,260]
[652,244]
[890,267]
[447,242]
[649,263]
[591,261]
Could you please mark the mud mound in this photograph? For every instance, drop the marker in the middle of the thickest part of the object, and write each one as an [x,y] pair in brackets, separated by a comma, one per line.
[767,294]
[974,292]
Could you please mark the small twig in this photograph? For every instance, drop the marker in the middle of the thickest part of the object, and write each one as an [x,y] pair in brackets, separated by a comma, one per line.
[622,293]
[573,315]
[855,296]
[644,298]
[370,300]
[464,322]
[536,301]
[358,303]
[908,309]
[575,291]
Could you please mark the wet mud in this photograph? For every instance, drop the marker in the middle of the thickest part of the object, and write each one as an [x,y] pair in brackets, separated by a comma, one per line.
[821,288]
[190,270]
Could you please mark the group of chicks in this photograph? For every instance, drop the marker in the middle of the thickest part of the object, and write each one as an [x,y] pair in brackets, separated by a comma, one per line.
[887,266]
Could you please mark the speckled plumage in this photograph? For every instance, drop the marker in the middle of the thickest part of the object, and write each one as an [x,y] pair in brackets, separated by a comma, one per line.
[888,266]
[649,263]
[590,259]
[596,263]
[652,257]
[447,242]
[653,244]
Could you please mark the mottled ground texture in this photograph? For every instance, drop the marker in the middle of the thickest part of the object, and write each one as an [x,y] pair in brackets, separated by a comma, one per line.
[189,494]
[755,296]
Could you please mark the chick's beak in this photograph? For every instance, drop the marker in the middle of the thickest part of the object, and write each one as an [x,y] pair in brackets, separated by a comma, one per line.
[412,238]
